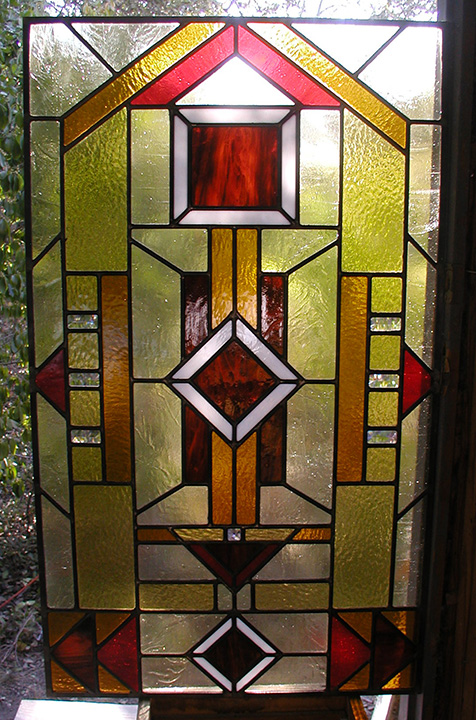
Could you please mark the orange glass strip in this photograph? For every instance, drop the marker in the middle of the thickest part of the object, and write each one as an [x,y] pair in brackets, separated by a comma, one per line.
[353,345]
[155,535]
[357,709]
[404,620]
[109,684]
[347,88]
[222,481]
[318,533]
[360,681]
[107,622]
[361,622]
[59,623]
[246,482]
[61,682]
[117,439]
[247,275]
[222,274]
[148,68]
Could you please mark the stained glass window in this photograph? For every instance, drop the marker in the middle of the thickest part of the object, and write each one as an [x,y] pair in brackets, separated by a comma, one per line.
[233,231]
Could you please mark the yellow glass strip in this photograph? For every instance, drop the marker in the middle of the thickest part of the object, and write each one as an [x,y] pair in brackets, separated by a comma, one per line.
[197,534]
[292,596]
[148,68]
[61,682]
[222,274]
[59,623]
[155,535]
[310,533]
[383,409]
[386,294]
[360,681]
[116,378]
[268,533]
[87,464]
[357,709]
[247,275]
[82,292]
[109,684]
[106,623]
[404,620]
[176,597]
[84,407]
[222,481]
[347,88]
[361,622]
[402,680]
[353,344]
[381,464]
[246,482]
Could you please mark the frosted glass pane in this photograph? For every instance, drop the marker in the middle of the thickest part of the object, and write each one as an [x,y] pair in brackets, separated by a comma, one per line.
[298,562]
[310,442]
[45,183]
[56,532]
[157,432]
[83,351]
[155,316]
[293,675]
[187,249]
[414,454]
[281,250]
[420,310]
[319,174]
[409,556]
[312,314]
[170,562]
[48,304]
[293,633]
[174,674]
[280,506]
[52,452]
[150,147]
[425,167]
[164,633]
[188,505]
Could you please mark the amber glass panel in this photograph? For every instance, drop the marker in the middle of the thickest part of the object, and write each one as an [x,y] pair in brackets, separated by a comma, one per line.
[222,275]
[246,482]
[222,479]
[247,278]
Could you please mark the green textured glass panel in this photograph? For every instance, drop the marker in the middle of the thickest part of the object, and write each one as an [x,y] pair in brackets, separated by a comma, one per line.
[62,70]
[425,168]
[174,674]
[409,556]
[83,352]
[45,183]
[85,408]
[385,352]
[187,248]
[95,177]
[373,200]
[386,295]
[319,167]
[170,562]
[414,454]
[104,547]
[298,674]
[298,562]
[280,506]
[155,316]
[362,558]
[52,452]
[383,409]
[47,304]
[380,464]
[174,633]
[312,298]
[186,506]
[87,464]
[150,183]
[281,250]
[56,532]
[82,292]
[310,442]
[420,309]
[293,632]
[158,452]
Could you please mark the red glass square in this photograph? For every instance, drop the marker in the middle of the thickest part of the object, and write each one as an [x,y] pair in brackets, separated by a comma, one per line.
[234,166]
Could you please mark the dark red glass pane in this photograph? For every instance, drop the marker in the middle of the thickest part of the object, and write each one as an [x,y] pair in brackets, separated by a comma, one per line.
[282,71]
[234,166]
[196,448]
[189,71]
[76,653]
[272,310]
[196,310]
[234,563]
[234,654]
[119,655]
[51,380]
[393,651]
[416,381]
[348,653]
[272,448]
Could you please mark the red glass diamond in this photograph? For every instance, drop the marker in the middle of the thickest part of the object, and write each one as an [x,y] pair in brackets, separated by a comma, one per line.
[234,654]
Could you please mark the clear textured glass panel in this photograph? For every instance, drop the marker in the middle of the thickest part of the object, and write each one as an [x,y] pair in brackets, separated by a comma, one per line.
[383,408]
[293,675]
[382,437]
[87,464]
[231,116]
[174,674]
[52,452]
[157,431]
[280,506]
[224,598]
[187,249]
[294,632]
[281,250]
[408,73]
[62,69]
[56,532]
[176,597]
[234,217]
[243,598]
[386,294]
[83,352]
[385,324]
[362,559]
[425,168]
[170,562]
[84,407]
[82,322]
[85,436]
[380,464]
[188,505]
[420,310]
[312,317]
[155,316]
[84,379]
[165,633]
[383,380]
[150,146]
[414,454]
[319,174]
[385,352]
[310,442]
[82,292]
[45,183]
[298,562]
[48,304]
[373,200]
[409,556]
[291,596]
[95,176]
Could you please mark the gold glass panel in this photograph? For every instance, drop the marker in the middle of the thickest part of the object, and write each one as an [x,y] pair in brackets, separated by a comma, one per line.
[84,407]
[176,597]
[385,352]
[246,482]
[386,295]
[222,481]
[83,351]
[82,292]
[383,409]
[222,274]
[381,464]
[247,275]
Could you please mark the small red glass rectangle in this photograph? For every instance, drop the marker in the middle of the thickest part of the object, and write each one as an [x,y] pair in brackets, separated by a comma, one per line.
[234,166]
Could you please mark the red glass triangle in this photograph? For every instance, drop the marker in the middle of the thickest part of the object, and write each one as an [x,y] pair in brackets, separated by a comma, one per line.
[348,653]
[234,563]
[119,655]
[51,380]
[234,654]
[189,71]
[393,651]
[416,381]
[76,653]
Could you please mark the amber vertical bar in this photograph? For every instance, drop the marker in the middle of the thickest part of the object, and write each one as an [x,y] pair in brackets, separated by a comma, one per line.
[353,345]
[222,274]
[247,275]
[246,482]
[222,481]
[116,378]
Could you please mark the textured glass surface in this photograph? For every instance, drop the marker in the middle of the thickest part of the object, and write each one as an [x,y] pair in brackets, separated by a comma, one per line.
[224,598]
[392,74]
[385,324]
[163,633]
[48,304]
[384,380]
[246,482]
[425,167]
[155,316]
[373,200]
[409,556]
[83,379]
[280,506]
[319,167]
[80,436]
[187,248]
[293,633]
[380,464]
[84,407]
[150,147]
[414,454]
[312,317]
[175,674]
[105,566]
[56,532]
[298,562]
[87,464]
[45,183]
[96,199]
[310,442]
[383,408]
[382,437]
[83,351]
[188,505]
[170,562]
[282,250]
[52,452]
[222,480]
[386,294]
[362,559]
[247,276]
[222,275]
[82,322]
[243,598]
[176,597]
[420,309]
[82,292]
[291,596]
[293,674]
[385,352]
[62,70]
